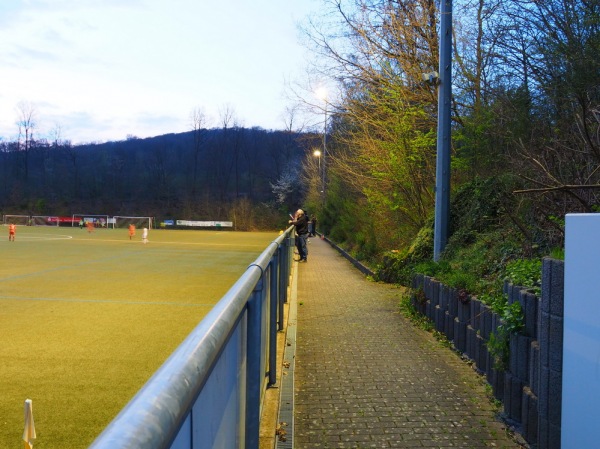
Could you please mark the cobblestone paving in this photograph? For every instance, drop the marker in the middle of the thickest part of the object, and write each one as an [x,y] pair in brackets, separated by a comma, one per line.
[367,378]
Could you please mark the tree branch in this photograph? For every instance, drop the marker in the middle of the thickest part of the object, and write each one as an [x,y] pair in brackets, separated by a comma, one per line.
[558,188]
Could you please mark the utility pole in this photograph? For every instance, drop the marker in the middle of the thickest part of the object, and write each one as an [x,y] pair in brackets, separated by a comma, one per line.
[442,175]
[325,152]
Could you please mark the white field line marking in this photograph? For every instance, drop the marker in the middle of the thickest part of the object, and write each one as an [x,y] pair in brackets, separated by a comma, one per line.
[155,243]
[38,237]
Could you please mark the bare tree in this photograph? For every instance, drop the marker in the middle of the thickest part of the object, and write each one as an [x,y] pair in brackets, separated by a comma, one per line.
[73,157]
[199,122]
[227,153]
[288,188]
[552,108]
[26,122]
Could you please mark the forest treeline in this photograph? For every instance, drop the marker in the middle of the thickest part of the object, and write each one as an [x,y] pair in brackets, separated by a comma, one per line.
[210,174]
[525,125]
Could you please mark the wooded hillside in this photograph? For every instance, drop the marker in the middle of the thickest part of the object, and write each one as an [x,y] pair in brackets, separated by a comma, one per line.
[200,174]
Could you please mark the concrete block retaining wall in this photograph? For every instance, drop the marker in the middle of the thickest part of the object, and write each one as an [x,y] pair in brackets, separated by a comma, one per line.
[530,388]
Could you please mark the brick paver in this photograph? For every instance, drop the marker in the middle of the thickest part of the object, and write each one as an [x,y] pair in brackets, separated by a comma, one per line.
[365,377]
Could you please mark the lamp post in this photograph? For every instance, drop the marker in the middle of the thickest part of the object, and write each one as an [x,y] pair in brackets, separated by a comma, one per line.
[317,153]
[322,95]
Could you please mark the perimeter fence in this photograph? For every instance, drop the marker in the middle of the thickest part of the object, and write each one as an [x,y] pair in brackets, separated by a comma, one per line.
[116,221]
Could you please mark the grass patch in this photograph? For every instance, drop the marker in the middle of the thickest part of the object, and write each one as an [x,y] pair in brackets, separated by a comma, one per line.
[86,319]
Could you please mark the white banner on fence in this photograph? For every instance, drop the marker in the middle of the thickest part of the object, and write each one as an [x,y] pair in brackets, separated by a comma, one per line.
[205,224]
[581,343]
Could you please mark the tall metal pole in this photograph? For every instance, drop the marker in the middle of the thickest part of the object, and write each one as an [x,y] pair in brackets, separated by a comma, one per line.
[442,175]
[325,149]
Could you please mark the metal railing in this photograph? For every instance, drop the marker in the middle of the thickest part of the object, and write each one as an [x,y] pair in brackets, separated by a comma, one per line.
[208,393]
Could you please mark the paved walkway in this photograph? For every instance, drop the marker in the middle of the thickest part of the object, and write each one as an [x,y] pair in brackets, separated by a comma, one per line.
[365,377]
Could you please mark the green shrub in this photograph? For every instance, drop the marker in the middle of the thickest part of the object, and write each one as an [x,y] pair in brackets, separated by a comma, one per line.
[400,266]
[499,342]
[557,253]
[462,280]
[496,300]
[477,208]
[432,269]
[395,268]
[421,248]
[525,273]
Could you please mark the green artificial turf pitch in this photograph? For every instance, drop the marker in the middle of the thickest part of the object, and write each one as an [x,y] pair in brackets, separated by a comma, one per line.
[87,318]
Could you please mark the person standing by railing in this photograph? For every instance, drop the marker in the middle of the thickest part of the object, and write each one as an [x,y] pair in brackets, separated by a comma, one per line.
[300,222]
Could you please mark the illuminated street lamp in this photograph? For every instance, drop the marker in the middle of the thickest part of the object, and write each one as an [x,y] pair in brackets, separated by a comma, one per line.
[317,154]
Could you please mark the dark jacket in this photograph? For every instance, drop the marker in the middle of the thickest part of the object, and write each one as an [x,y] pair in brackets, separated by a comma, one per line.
[301,224]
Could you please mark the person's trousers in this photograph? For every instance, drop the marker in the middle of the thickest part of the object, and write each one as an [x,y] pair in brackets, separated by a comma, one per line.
[301,245]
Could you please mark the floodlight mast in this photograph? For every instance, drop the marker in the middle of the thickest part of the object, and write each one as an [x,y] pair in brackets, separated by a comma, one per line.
[442,175]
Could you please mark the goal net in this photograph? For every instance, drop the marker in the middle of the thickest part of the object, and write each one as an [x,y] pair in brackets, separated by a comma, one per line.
[45,220]
[99,221]
[22,220]
[124,222]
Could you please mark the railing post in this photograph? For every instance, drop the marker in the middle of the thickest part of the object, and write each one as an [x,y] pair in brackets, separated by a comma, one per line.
[283,283]
[288,261]
[273,306]
[253,368]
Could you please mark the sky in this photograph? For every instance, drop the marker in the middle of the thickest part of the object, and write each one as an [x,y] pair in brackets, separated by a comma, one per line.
[103,70]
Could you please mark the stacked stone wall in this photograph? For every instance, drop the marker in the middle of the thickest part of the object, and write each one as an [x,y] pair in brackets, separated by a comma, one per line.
[530,388]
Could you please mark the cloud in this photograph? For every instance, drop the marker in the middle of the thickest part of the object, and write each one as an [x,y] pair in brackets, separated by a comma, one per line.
[101,66]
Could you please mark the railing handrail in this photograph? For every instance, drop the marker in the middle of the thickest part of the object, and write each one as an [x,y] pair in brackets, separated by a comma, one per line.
[152,418]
